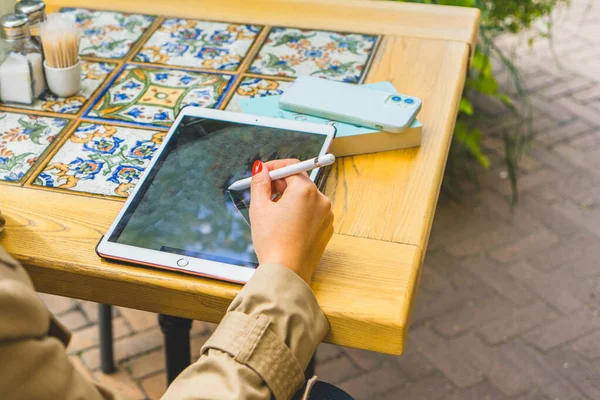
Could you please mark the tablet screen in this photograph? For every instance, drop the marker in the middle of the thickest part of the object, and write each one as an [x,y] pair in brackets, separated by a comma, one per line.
[184,207]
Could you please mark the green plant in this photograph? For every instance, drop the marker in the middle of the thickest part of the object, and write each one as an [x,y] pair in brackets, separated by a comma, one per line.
[498,17]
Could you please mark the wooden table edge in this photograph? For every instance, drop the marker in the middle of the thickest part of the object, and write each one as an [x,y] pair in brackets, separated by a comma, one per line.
[390,325]
[450,23]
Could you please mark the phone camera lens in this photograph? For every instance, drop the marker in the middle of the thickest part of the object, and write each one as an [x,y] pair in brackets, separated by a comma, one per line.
[396,98]
[409,101]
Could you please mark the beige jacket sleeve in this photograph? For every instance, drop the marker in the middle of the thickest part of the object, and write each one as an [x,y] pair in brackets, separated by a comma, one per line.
[263,344]
[259,350]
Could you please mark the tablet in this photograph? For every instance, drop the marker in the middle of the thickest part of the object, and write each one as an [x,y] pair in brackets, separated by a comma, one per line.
[181,216]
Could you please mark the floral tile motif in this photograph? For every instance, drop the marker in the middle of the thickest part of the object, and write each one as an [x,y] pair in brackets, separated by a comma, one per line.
[201,44]
[256,87]
[296,52]
[93,75]
[107,34]
[22,139]
[101,159]
[155,96]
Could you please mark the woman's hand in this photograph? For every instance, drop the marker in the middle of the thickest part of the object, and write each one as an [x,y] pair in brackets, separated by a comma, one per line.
[294,228]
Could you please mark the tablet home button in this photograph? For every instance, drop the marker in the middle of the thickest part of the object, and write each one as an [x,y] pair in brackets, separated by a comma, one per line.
[182,262]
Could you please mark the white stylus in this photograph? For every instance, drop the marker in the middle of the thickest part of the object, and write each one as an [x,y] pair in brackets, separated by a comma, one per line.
[290,170]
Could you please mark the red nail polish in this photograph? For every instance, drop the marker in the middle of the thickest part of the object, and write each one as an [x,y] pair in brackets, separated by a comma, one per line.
[257,167]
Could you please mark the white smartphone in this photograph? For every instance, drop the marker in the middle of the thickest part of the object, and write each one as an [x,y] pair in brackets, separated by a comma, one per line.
[353,104]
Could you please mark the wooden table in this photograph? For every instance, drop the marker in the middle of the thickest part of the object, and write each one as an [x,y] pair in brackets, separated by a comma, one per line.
[383,203]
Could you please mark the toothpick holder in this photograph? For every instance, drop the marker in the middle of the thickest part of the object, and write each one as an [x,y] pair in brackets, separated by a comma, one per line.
[63,82]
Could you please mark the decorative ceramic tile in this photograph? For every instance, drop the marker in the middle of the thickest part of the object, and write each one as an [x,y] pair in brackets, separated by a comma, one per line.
[201,44]
[256,87]
[101,159]
[107,34]
[93,75]
[297,52]
[155,96]
[22,139]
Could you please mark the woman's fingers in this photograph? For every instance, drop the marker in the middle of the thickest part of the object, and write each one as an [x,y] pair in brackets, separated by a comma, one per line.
[276,164]
[280,185]
[260,187]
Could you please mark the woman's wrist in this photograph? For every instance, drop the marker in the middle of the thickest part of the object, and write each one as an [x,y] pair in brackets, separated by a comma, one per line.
[295,267]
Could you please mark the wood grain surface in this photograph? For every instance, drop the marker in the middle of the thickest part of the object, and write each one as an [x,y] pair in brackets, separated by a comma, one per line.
[372,280]
[383,203]
[399,189]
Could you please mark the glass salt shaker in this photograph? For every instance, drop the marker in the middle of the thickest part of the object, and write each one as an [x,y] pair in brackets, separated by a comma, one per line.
[35,10]
[3,51]
[22,72]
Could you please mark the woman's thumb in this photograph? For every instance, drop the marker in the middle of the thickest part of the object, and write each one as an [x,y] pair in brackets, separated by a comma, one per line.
[260,188]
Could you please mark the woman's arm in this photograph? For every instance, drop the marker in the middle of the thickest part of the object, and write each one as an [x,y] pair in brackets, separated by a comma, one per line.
[260,348]
[263,344]
[273,327]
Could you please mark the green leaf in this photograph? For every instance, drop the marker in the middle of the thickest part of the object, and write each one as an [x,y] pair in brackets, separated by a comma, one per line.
[488,86]
[505,99]
[81,17]
[115,44]
[351,43]
[291,37]
[340,70]
[275,62]
[460,3]
[36,130]
[481,62]
[111,46]
[12,162]
[465,106]
[470,138]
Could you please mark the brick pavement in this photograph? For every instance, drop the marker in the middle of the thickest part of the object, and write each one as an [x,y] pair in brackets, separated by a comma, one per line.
[509,301]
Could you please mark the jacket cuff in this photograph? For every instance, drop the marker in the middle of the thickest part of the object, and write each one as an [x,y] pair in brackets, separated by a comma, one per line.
[280,294]
[275,325]
[250,342]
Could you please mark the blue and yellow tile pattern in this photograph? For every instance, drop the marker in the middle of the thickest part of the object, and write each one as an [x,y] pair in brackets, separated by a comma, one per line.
[101,159]
[152,96]
[138,72]
[23,138]
[296,52]
[199,44]
[106,34]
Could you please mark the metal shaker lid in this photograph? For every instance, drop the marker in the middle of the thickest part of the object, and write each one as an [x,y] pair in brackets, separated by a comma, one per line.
[14,27]
[34,9]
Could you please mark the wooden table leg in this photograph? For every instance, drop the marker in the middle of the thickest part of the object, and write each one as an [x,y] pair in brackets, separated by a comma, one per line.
[176,333]
[107,363]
